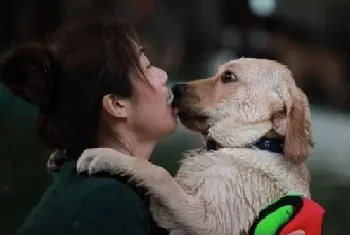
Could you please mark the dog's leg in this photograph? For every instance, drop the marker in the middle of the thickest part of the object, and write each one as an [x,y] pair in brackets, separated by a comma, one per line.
[159,183]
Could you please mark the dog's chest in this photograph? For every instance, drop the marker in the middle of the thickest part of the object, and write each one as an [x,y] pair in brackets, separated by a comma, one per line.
[235,184]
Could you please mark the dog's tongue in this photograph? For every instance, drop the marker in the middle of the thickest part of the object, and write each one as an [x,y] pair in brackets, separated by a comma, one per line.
[170,96]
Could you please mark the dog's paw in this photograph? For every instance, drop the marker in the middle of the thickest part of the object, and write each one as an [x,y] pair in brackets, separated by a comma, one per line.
[84,161]
[98,160]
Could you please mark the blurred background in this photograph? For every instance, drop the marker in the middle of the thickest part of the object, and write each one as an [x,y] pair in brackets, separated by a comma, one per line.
[190,39]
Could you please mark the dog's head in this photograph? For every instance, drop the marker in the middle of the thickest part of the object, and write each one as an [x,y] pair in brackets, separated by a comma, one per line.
[247,92]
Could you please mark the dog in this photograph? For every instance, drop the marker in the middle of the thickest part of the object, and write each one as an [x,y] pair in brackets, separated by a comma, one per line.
[256,126]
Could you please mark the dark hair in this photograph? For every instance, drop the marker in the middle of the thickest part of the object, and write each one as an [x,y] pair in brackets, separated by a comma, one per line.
[67,74]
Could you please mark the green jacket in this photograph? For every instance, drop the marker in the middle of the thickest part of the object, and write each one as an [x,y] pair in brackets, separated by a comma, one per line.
[89,205]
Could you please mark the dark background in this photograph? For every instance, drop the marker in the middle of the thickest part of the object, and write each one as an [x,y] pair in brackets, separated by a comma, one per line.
[190,39]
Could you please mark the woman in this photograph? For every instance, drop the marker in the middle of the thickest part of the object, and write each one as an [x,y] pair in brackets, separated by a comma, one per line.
[94,87]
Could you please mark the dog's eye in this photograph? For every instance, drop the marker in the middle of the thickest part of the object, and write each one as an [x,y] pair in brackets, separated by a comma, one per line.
[228,76]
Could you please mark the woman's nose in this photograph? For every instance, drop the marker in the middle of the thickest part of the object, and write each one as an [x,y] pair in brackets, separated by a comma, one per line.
[163,75]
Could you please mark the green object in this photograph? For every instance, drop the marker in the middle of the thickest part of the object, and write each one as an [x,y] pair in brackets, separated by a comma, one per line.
[90,205]
[272,222]
[276,215]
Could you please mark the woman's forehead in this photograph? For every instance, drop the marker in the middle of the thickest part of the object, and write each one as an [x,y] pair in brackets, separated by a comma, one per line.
[139,48]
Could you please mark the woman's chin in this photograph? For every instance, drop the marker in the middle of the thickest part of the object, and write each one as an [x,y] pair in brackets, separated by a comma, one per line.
[169,127]
[174,125]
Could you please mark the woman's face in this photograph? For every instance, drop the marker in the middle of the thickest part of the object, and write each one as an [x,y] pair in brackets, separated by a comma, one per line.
[151,116]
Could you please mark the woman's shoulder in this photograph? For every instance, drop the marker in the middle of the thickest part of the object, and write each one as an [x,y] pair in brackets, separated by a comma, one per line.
[102,191]
[99,204]
[111,205]
[102,186]
[86,186]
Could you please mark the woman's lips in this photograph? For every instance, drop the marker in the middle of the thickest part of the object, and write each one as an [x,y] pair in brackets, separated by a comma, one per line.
[170,97]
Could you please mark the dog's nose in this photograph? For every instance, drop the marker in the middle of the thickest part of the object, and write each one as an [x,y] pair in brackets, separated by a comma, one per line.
[179,90]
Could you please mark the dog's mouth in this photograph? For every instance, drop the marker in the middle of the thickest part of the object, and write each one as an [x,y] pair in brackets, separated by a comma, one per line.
[189,111]
[187,118]
[193,120]
[191,116]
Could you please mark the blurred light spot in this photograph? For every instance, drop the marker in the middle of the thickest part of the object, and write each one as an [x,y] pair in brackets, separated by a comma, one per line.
[219,58]
[5,190]
[262,7]
[258,39]
[231,37]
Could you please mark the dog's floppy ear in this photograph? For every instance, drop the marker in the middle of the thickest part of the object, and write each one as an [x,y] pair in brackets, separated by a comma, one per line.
[298,136]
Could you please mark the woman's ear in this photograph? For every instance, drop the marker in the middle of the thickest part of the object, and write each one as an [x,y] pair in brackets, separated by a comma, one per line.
[115,106]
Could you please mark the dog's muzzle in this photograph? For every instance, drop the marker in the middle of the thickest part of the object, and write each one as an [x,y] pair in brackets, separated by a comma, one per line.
[178,91]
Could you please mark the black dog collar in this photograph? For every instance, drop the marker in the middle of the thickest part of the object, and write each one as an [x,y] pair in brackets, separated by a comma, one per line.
[264,143]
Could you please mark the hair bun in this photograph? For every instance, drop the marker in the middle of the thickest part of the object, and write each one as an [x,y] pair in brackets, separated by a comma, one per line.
[26,72]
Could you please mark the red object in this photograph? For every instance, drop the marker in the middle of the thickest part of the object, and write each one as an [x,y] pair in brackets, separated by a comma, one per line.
[309,219]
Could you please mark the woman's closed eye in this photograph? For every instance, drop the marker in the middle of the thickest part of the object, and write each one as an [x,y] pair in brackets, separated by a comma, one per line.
[149,66]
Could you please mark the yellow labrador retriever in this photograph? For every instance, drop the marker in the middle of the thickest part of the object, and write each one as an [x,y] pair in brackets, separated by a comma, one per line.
[256,123]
